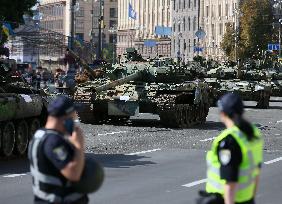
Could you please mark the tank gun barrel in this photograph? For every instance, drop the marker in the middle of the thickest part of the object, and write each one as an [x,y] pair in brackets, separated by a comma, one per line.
[83,63]
[121,81]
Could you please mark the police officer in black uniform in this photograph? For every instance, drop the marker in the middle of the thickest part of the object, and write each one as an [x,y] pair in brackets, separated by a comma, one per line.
[56,155]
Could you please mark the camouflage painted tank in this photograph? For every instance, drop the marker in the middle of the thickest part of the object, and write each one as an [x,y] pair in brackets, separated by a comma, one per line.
[254,85]
[276,83]
[156,87]
[22,111]
[222,72]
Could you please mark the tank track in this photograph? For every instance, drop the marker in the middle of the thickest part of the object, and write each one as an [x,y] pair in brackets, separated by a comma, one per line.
[85,112]
[181,115]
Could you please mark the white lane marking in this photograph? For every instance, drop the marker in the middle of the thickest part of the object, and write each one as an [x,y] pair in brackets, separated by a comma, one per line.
[273,161]
[195,183]
[143,152]
[208,139]
[112,133]
[14,175]
[279,121]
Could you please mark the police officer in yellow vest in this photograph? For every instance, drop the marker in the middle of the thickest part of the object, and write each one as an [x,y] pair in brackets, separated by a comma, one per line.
[235,158]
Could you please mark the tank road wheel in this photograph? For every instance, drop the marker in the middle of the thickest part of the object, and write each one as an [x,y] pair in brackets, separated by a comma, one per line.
[8,139]
[33,126]
[22,137]
[185,120]
[189,116]
[263,102]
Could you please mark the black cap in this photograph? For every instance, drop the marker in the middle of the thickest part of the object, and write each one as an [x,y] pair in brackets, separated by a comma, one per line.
[231,104]
[61,106]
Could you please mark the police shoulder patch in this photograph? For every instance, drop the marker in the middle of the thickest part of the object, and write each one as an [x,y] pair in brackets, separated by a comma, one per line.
[60,153]
[225,156]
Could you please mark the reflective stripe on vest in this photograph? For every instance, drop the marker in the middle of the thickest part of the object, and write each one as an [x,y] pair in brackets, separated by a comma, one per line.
[39,177]
[248,167]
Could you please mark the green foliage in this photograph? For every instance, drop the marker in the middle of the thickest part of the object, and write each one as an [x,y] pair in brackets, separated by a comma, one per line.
[228,42]
[13,10]
[255,30]
[108,52]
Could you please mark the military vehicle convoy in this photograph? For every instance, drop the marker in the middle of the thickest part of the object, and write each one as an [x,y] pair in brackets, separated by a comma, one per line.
[22,111]
[138,86]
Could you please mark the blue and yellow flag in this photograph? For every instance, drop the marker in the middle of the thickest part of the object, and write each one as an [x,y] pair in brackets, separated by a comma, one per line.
[7,29]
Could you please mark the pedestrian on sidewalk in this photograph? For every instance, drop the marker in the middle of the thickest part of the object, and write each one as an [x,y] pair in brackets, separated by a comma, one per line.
[235,158]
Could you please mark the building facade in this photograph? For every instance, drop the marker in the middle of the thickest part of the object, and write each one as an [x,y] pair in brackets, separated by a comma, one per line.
[133,32]
[215,15]
[56,16]
[185,23]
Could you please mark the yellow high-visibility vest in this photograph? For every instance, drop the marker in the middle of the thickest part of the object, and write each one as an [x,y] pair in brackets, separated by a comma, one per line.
[252,156]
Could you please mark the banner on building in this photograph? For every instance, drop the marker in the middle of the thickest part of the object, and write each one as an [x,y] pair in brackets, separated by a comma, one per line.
[162,30]
[150,43]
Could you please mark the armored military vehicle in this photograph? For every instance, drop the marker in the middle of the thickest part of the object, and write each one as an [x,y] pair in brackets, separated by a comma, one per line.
[276,83]
[157,87]
[253,86]
[22,111]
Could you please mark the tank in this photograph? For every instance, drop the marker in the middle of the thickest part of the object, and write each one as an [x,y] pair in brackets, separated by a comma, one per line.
[276,82]
[134,87]
[22,111]
[253,86]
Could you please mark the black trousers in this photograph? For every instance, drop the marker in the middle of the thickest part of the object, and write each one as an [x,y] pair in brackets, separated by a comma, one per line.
[215,198]
[83,200]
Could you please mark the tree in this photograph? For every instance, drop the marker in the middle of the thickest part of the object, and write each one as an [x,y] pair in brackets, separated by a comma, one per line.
[12,11]
[255,30]
[228,42]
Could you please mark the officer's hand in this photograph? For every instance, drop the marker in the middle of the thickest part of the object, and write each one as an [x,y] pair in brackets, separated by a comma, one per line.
[77,138]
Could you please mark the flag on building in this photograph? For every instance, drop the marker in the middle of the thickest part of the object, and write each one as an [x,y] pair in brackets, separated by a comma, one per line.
[131,12]
[7,29]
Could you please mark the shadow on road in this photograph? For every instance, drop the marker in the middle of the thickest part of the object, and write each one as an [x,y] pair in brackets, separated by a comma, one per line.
[20,166]
[121,160]
[14,166]
[210,125]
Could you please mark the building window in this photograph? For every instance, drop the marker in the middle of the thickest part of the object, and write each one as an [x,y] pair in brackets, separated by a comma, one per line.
[112,38]
[189,23]
[189,45]
[219,10]
[220,29]
[207,11]
[226,9]
[184,24]
[195,3]
[113,12]
[194,23]
[113,23]
[79,24]
[189,3]
[80,12]
[80,36]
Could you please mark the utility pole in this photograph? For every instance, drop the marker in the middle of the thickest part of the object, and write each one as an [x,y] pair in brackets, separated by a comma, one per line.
[73,3]
[101,25]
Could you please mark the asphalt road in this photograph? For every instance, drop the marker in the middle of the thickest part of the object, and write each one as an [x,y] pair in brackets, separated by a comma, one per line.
[148,163]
